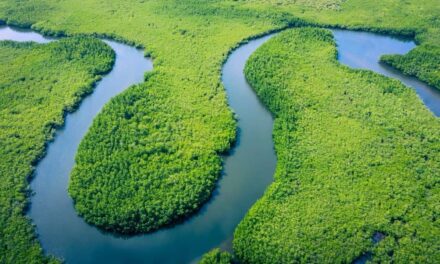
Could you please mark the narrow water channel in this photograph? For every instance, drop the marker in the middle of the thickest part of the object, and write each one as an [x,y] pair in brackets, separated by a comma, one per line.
[248,169]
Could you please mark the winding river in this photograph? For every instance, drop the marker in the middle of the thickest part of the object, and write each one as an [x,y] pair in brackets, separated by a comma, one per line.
[248,169]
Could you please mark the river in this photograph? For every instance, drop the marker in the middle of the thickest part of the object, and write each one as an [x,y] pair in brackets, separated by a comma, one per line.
[248,168]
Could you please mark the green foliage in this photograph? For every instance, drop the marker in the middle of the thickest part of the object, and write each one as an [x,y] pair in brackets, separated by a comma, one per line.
[358,153]
[165,143]
[408,18]
[151,156]
[38,83]
[422,62]
[313,4]
[216,256]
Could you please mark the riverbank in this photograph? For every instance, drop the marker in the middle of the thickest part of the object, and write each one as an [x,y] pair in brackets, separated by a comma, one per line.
[60,229]
[356,154]
[41,84]
[190,41]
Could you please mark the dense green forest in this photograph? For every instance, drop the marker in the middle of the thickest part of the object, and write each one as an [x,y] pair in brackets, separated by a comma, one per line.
[38,84]
[152,155]
[216,256]
[358,158]
[422,62]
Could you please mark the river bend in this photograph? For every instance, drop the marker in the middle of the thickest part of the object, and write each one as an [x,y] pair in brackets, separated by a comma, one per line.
[248,169]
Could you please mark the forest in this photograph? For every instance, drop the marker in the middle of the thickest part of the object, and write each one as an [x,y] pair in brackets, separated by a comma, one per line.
[358,157]
[422,63]
[38,85]
[216,256]
[153,155]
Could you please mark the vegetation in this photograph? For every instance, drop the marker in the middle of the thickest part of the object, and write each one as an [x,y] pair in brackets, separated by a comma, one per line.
[358,154]
[38,84]
[164,144]
[422,62]
[419,19]
[151,156]
[216,256]
[310,4]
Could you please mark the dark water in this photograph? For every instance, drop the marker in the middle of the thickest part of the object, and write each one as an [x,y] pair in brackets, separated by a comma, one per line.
[362,50]
[248,169]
